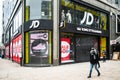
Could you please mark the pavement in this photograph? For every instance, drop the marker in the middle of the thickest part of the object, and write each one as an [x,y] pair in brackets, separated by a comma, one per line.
[110,70]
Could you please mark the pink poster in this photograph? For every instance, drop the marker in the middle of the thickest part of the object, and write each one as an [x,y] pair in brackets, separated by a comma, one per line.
[65,49]
[17,49]
[39,44]
[11,49]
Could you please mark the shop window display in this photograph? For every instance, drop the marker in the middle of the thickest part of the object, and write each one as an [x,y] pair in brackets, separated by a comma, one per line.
[86,17]
[67,12]
[83,16]
[39,47]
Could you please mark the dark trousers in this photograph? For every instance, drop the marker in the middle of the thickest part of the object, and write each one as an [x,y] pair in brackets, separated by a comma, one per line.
[91,68]
[104,58]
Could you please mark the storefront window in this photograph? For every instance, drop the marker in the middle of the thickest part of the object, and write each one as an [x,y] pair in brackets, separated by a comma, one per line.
[103,21]
[86,17]
[103,46]
[38,9]
[40,47]
[67,12]
[17,19]
[118,24]
[83,16]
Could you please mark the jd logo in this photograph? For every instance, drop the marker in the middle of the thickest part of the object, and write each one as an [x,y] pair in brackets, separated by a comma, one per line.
[35,24]
[88,17]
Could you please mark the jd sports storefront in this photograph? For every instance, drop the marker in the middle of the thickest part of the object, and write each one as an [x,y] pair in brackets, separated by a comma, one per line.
[76,47]
[84,27]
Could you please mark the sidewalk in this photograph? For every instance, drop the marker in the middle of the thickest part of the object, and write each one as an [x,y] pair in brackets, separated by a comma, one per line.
[79,71]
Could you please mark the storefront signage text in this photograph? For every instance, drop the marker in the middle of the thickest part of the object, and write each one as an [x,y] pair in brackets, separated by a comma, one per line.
[88,17]
[88,30]
[35,24]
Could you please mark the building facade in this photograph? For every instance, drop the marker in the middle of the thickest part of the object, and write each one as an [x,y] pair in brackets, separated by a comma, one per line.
[49,32]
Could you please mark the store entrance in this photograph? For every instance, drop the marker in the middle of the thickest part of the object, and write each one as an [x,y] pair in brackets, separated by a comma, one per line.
[83,46]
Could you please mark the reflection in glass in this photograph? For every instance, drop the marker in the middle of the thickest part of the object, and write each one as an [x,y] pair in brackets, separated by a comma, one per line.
[82,15]
[103,21]
[38,9]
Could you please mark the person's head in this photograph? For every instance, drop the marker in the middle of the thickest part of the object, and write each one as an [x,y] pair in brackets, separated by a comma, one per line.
[92,48]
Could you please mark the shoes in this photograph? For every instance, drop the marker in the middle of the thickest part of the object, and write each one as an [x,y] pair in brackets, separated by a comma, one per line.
[89,76]
[98,74]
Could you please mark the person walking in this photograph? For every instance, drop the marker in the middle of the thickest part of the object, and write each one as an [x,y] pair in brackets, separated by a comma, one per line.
[94,61]
[104,56]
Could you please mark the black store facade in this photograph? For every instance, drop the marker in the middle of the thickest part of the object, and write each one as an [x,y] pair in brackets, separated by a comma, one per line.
[82,26]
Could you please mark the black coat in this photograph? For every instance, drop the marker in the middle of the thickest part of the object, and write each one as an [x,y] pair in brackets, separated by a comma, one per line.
[94,58]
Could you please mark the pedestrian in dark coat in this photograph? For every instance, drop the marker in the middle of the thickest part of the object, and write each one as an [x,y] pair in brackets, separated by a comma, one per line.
[94,61]
[104,55]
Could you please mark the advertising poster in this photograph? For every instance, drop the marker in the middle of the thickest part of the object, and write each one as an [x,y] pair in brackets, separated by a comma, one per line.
[14,51]
[17,49]
[65,49]
[102,45]
[11,50]
[38,46]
